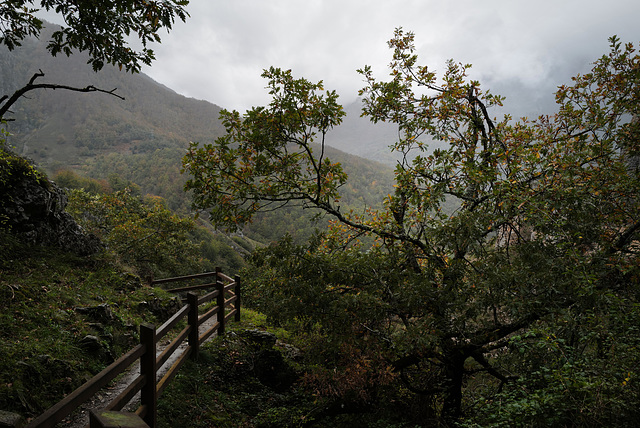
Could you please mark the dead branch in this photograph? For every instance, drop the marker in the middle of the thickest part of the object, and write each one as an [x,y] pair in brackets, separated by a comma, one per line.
[6,102]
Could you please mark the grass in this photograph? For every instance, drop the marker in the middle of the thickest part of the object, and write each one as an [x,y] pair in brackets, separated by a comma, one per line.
[41,328]
[230,385]
[221,388]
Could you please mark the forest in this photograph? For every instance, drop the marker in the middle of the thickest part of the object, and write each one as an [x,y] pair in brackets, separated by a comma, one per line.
[490,278]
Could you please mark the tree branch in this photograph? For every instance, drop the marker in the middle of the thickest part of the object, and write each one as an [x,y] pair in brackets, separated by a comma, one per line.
[6,102]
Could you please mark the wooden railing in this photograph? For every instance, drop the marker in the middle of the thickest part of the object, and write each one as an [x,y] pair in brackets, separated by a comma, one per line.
[227,294]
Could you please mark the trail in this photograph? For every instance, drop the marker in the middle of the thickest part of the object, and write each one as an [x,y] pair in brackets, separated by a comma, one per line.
[80,419]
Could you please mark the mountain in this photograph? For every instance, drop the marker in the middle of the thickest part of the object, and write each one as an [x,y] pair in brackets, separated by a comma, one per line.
[359,136]
[62,128]
[143,138]
[70,127]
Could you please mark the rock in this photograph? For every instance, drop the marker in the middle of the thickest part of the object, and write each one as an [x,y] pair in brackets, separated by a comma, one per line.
[273,371]
[54,367]
[100,314]
[60,315]
[13,420]
[92,345]
[162,309]
[262,339]
[129,282]
[290,351]
[99,327]
[35,211]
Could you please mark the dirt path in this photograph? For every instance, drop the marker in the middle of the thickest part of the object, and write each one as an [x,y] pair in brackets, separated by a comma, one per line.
[106,395]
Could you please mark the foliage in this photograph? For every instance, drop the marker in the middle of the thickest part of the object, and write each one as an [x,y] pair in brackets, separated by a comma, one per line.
[262,163]
[143,233]
[546,225]
[156,173]
[213,250]
[41,360]
[223,389]
[103,33]
[68,179]
[216,250]
[570,379]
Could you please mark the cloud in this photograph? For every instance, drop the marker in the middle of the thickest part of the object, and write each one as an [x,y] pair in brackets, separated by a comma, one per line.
[221,51]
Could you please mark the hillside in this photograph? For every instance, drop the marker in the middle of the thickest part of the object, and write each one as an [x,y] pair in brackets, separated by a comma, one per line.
[68,127]
[63,319]
[143,138]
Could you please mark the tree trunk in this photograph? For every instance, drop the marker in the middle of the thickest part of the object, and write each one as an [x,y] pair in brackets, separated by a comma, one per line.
[452,398]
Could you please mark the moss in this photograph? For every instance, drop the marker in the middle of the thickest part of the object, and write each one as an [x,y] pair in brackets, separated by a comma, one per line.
[14,168]
[41,328]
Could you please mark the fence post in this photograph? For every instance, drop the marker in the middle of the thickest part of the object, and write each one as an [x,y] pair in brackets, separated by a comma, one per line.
[237,291]
[148,395]
[220,303]
[192,319]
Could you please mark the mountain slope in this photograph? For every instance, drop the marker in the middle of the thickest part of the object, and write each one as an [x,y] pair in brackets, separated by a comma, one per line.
[359,136]
[143,138]
[69,127]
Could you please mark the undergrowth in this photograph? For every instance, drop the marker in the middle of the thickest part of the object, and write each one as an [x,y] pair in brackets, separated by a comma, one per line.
[44,294]
[42,324]
[227,387]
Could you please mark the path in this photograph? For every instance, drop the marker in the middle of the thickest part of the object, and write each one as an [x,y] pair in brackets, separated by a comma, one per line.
[105,396]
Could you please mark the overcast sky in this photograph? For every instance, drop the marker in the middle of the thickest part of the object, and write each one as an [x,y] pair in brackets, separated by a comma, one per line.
[521,49]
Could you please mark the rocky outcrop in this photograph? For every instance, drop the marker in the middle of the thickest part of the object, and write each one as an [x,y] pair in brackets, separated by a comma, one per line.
[11,420]
[269,365]
[33,209]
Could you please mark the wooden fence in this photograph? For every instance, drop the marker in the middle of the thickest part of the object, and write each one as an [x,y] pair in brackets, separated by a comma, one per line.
[227,295]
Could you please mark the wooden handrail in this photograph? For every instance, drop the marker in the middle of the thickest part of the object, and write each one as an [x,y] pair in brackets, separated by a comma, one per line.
[191,288]
[207,334]
[169,350]
[211,312]
[183,278]
[225,277]
[172,371]
[148,369]
[171,322]
[230,287]
[63,408]
[207,297]
[125,396]
[145,383]
[229,315]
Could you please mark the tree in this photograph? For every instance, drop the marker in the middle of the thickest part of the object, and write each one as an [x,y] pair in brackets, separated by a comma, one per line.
[100,29]
[143,233]
[545,229]
[274,163]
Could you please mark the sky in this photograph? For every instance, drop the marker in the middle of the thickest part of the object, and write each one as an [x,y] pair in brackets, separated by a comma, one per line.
[520,49]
